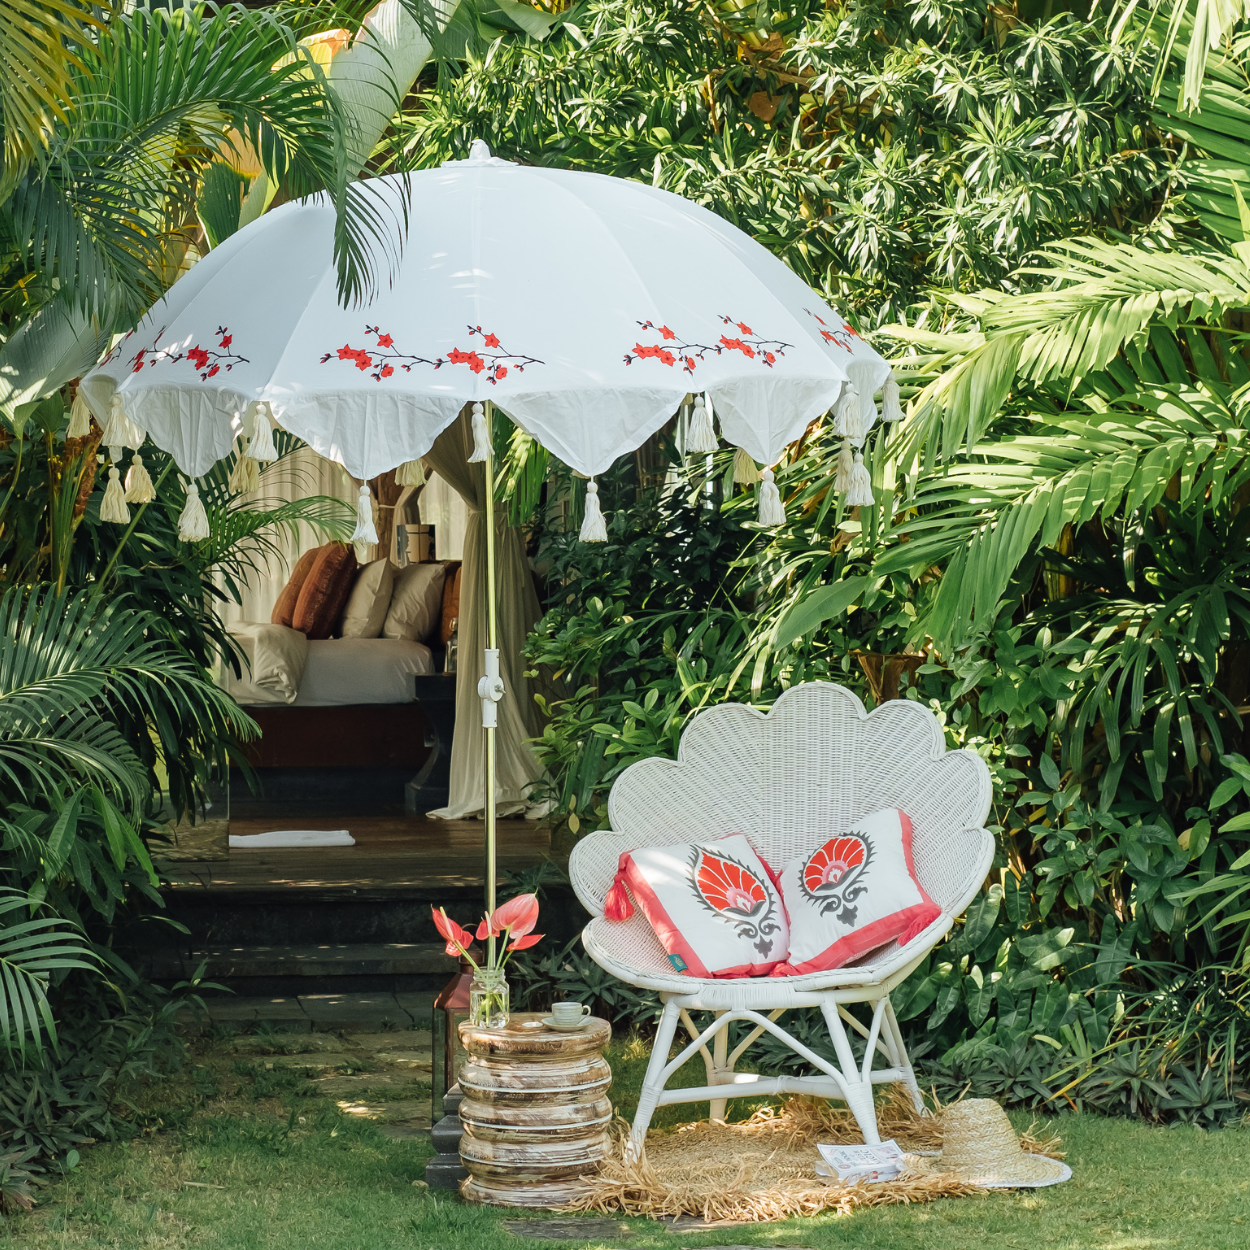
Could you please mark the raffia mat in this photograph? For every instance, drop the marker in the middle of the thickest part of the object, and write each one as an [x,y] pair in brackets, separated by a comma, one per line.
[763,1168]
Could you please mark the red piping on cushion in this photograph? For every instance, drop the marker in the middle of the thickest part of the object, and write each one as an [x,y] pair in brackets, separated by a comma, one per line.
[617,905]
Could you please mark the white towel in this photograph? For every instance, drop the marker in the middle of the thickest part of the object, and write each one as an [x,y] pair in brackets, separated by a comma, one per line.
[293,837]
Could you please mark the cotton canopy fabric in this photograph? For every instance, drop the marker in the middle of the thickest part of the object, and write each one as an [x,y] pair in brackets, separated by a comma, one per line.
[586,307]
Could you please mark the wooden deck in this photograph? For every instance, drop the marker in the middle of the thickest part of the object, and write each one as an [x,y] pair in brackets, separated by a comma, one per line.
[394,856]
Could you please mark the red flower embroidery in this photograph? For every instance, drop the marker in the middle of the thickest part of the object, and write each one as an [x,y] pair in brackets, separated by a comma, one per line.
[226,340]
[214,370]
[208,361]
[198,356]
[385,359]
[841,338]
[690,354]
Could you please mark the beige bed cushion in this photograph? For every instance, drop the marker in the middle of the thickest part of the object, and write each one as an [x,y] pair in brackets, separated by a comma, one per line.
[416,603]
[369,601]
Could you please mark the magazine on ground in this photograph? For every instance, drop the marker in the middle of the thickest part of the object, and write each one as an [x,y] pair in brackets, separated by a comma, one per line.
[849,1164]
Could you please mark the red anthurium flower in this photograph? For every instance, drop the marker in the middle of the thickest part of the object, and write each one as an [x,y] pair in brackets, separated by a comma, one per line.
[518,915]
[458,939]
[484,930]
[491,340]
[526,942]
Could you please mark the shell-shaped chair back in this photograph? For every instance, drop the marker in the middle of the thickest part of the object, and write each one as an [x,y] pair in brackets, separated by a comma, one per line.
[808,768]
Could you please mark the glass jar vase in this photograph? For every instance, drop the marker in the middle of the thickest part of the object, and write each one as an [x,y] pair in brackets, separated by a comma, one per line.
[488,999]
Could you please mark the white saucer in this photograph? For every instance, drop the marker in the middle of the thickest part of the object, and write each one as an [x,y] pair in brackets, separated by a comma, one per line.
[566,1028]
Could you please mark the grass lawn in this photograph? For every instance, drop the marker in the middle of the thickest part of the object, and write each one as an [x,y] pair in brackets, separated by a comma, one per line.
[251,1155]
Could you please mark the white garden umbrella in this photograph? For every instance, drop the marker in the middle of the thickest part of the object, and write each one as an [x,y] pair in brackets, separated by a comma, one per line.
[585,307]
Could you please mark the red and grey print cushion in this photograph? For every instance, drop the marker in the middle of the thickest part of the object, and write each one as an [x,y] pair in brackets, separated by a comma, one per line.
[853,892]
[714,905]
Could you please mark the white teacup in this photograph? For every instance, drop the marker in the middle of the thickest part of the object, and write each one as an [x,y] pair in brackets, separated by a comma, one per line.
[568,1013]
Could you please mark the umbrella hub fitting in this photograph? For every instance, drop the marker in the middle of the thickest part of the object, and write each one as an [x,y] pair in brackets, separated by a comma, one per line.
[490,689]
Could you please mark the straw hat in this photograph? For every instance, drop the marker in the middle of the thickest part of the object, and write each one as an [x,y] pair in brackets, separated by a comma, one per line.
[980,1146]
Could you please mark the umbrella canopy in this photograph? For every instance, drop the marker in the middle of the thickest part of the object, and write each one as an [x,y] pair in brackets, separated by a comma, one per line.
[586,307]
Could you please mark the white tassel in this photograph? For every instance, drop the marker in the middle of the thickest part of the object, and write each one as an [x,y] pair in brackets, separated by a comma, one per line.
[113,505]
[745,471]
[245,476]
[860,493]
[79,418]
[594,528]
[410,473]
[139,488]
[117,430]
[260,437]
[481,435]
[846,462]
[364,531]
[193,523]
[846,419]
[891,408]
[700,434]
[772,510]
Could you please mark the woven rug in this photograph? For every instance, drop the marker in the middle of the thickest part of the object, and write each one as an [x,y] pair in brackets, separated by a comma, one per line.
[763,1168]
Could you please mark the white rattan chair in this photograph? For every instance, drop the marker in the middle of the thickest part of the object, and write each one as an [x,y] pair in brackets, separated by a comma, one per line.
[813,764]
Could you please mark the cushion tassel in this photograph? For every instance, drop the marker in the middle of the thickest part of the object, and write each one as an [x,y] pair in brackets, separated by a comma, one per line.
[846,462]
[410,473]
[772,510]
[364,531]
[113,505]
[193,523]
[746,472]
[859,494]
[245,476]
[79,418]
[594,528]
[700,434]
[260,438]
[139,488]
[481,435]
[891,408]
[617,905]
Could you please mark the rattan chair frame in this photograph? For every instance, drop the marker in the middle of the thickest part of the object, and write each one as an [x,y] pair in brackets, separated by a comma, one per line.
[810,766]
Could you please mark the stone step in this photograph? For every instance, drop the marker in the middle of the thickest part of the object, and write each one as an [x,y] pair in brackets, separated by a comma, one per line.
[335,1013]
[355,959]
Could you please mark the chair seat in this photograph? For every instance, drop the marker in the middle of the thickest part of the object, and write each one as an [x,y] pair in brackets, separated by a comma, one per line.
[630,950]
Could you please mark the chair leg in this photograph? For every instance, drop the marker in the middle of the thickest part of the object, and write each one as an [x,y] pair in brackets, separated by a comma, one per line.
[899,1056]
[721,1067]
[653,1082]
[855,1090]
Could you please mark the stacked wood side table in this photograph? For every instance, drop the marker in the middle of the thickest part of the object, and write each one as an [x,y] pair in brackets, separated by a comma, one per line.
[535,1111]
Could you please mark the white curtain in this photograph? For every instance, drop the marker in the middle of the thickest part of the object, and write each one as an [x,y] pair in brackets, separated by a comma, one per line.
[296,477]
[444,508]
[516,767]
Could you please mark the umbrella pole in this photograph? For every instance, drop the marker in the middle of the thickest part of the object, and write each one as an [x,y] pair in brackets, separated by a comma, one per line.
[492,687]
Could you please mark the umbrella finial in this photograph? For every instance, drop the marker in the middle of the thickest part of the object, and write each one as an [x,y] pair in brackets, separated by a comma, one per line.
[479,151]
